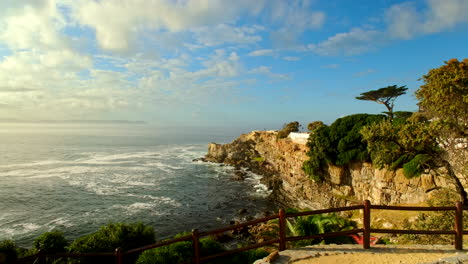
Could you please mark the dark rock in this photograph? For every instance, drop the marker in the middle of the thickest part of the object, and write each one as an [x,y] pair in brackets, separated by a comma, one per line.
[238,175]
[242,211]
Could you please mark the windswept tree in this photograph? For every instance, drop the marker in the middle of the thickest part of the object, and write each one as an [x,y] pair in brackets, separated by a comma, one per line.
[385,96]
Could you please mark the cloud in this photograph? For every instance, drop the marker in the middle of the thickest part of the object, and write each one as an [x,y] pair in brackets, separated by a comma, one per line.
[117,23]
[404,21]
[331,66]
[266,70]
[291,58]
[223,33]
[294,18]
[355,42]
[32,24]
[261,52]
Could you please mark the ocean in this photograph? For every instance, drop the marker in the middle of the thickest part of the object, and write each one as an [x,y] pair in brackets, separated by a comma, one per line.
[75,178]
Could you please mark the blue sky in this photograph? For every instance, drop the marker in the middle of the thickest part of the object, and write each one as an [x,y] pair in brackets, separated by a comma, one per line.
[251,64]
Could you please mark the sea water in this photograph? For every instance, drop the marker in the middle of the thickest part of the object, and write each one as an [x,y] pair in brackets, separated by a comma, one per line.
[75,178]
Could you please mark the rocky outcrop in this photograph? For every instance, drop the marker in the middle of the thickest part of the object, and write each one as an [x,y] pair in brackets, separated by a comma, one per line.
[280,162]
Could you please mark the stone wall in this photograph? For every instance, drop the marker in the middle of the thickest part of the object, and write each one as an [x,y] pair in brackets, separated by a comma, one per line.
[280,161]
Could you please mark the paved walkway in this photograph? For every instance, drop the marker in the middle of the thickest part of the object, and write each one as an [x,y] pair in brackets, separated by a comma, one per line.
[428,254]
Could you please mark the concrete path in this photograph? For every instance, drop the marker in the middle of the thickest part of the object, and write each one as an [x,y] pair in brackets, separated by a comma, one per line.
[439,253]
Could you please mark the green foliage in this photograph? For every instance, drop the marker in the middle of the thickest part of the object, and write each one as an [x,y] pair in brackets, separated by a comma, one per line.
[319,224]
[288,128]
[314,125]
[416,166]
[409,145]
[182,252]
[385,96]
[438,220]
[338,144]
[444,95]
[170,254]
[259,159]
[8,251]
[112,236]
[51,243]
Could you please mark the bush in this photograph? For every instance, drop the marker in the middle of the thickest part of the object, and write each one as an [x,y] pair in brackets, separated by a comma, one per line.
[51,243]
[314,125]
[438,220]
[8,253]
[288,128]
[112,236]
[338,144]
[182,252]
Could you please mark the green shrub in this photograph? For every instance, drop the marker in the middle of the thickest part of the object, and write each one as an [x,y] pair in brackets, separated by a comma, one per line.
[438,220]
[416,166]
[112,236]
[338,144]
[182,252]
[51,243]
[288,128]
[8,253]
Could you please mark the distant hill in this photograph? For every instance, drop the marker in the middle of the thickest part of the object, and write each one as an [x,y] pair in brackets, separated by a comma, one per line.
[105,122]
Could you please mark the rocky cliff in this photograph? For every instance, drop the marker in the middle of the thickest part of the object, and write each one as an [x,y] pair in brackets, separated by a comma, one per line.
[280,162]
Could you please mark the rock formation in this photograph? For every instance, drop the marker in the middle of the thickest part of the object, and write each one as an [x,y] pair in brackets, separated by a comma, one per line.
[280,162]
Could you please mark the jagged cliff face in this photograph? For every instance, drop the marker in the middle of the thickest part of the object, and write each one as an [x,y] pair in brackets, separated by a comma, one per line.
[280,162]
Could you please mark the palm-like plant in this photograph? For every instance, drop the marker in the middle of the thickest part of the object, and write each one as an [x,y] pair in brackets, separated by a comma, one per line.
[320,224]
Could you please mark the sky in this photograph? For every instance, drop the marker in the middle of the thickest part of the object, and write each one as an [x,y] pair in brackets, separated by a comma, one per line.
[244,63]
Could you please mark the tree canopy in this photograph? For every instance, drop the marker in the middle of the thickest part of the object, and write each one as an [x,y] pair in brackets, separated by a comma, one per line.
[338,144]
[385,96]
[444,95]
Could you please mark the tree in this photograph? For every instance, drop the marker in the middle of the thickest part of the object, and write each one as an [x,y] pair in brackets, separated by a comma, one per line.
[444,96]
[337,144]
[444,99]
[385,96]
[288,128]
[314,125]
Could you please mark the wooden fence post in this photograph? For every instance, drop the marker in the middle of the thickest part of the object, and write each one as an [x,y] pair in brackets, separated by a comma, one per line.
[459,226]
[118,256]
[196,246]
[366,223]
[282,230]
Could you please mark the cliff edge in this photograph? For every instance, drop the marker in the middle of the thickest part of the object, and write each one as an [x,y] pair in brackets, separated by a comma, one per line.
[280,162]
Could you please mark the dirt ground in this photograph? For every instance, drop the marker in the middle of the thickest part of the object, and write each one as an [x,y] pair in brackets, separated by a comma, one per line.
[375,258]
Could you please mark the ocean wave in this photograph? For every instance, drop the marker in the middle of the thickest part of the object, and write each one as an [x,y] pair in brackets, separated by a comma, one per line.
[19,229]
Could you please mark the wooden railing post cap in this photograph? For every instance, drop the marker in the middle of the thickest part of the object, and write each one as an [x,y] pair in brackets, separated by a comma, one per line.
[118,250]
[195,231]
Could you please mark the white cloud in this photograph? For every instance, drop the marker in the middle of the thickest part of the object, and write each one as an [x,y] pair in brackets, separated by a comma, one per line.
[223,33]
[405,21]
[331,66]
[351,43]
[261,52]
[32,24]
[118,22]
[266,70]
[291,58]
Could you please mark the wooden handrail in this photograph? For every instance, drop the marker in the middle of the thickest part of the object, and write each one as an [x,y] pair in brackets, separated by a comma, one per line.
[458,232]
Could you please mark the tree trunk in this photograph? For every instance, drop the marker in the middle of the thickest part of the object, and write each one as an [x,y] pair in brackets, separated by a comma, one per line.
[390,110]
[458,185]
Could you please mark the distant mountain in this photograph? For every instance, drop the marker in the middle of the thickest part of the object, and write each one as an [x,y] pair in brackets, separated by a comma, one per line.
[73,121]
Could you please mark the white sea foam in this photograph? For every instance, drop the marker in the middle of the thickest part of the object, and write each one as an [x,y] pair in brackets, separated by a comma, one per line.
[61,221]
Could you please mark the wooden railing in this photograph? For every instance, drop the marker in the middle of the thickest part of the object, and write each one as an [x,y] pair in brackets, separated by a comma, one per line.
[282,238]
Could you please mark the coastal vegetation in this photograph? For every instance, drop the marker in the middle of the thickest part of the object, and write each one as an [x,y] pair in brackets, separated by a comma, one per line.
[338,144]
[288,128]
[126,237]
[417,142]
[385,96]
